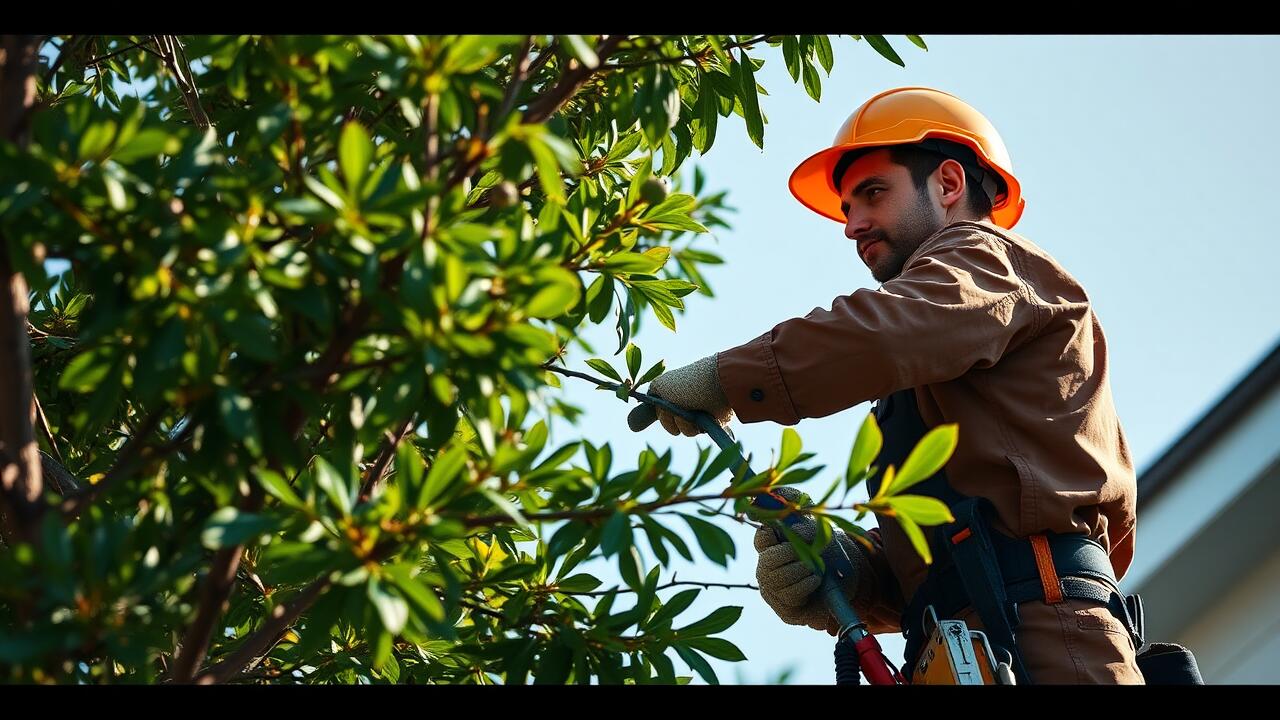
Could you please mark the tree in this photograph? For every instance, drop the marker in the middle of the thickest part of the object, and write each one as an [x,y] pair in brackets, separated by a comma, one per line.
[275,403]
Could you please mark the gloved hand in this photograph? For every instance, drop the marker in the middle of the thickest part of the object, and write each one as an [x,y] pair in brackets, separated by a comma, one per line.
[694,387]
[788,586]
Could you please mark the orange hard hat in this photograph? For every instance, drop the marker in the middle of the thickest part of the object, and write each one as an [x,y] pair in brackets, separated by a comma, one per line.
[904,116]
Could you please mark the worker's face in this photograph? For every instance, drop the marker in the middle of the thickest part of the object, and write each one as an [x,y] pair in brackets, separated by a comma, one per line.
[885,213]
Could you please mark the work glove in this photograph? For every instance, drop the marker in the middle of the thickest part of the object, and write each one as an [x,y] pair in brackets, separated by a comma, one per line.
[693,387]
[790,587]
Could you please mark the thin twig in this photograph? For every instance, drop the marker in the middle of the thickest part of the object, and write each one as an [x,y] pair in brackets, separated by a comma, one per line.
[379,469]
[520,70]
[63,52]
[703,54]
[110,55]
[44,427]
[729,586]
[546,54]
[547,105]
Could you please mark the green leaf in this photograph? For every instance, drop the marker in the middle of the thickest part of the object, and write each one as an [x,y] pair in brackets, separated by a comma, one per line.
[252,337]
[812,82]
[917,538]
[604,367]
[927,458]
[548,171]
[919,41]
[582,51]
[698,664]
[714,41]
[714,541]
[557,298]
[147,144]
[392,609]
[727,458]
[238,417]
[410,469]
[825,54]
[717,648]
[791,445]
[624,147]
[922,510]
[565,538]
[653,372]
[708,116]
[750,100]
[791,55]
[278,487]
[88,369]
[617,534]
[228,527]
[803,549]
[865,450]
[718,621]
[600,297]
[470,53]
[630,567]
[324,192]
[883,47]
[664,315]
[446,467]
[421,596]
[578,583]
[677,604]
[355,151]
[553,665]
[505,505]
[334,485]
[631,262]
[642,174]
[633,360]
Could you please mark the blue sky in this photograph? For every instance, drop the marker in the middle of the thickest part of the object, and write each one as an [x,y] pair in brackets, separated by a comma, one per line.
[1145,163]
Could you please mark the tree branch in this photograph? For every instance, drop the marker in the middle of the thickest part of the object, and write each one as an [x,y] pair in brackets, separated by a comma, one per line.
[44,428]
[546,106]
[175,59]
[58,477]
[63,52]
[217,587]
[136,450]
[266,636]
[379,469]
[520,71]
[546,54]
[21,487]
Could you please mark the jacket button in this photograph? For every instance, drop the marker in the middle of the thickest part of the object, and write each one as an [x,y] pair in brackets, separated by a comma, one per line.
[757,394]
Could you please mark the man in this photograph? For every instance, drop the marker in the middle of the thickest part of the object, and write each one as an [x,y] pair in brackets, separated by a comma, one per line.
[973,325]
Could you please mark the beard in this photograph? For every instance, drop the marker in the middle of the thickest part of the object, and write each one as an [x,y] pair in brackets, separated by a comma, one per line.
[916,224]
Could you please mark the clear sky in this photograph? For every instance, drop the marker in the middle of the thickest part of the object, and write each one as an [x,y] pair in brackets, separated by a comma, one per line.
[1144,163]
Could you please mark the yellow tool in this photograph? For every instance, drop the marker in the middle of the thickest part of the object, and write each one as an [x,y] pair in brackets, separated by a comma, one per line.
[956,655]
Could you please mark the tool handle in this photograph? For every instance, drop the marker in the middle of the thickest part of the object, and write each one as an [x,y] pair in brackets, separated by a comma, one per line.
[837,563]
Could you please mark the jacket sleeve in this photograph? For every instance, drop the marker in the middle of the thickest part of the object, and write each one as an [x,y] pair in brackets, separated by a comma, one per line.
[960,303]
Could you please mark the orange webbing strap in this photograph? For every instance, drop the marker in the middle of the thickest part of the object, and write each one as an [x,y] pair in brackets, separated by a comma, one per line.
[1048,575]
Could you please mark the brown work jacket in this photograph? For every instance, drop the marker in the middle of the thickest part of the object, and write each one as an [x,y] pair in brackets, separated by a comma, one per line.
[993,334]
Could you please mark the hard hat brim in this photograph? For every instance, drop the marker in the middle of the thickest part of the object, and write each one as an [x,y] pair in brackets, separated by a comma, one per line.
[811,181]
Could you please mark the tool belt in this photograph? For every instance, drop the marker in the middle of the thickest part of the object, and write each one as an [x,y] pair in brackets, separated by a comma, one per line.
[976,566]
[980,568]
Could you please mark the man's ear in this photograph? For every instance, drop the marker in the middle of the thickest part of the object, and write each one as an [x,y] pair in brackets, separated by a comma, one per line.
[951,183]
